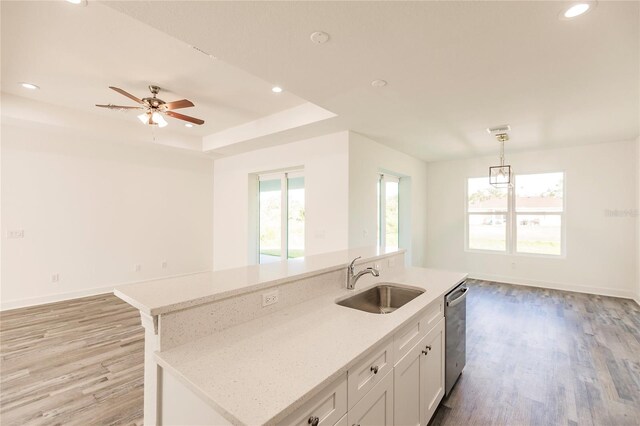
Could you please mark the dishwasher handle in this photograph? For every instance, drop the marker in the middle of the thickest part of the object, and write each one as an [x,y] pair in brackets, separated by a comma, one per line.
[463,294]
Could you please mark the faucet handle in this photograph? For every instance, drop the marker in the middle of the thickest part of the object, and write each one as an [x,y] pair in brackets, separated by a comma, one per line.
[353,262]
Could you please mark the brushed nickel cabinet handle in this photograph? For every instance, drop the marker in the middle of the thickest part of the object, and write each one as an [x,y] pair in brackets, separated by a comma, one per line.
[374,369]
[425,352]
[428,347]
[313,421]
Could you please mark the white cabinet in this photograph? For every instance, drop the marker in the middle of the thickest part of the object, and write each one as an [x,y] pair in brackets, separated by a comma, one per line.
[367,373]
[324,409]
[432,371]
[376,407]
[419,379]
[344,421]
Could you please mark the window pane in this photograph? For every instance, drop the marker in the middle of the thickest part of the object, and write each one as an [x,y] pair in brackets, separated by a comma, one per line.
[541,234]
[270,220]
[295,231]
[539,192]
[391,215]
[482,197]
[488,232]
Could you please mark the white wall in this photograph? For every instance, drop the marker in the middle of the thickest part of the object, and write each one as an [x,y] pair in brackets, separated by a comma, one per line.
[367,159]
[325,161]
[601,251]
[91,210]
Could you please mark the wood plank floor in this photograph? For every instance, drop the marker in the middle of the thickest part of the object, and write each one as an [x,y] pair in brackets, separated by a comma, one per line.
[77,362]
[546,357]
[534,357]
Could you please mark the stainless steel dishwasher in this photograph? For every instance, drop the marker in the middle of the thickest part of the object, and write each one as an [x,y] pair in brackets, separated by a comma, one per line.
[455,313]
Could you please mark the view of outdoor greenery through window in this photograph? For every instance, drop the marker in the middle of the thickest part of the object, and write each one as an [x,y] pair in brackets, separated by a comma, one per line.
[281,234]
[536,223]
[539,208]
[391,214]
[487,218]
[388,211]
[295,217]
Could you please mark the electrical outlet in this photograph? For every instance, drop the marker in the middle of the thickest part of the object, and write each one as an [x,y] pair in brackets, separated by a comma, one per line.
[15,233]
[137,267]
[164,264]
[55,278]
[270,298]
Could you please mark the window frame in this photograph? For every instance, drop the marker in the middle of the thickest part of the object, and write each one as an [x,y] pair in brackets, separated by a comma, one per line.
[284,177]
[511,232]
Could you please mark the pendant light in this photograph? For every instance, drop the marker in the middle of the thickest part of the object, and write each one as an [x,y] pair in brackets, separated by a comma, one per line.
[501,176]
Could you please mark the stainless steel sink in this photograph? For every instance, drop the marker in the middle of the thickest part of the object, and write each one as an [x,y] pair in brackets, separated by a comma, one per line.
[381,299]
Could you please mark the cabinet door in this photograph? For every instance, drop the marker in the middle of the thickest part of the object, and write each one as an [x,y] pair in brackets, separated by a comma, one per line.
[407,407]
[432,371]
[376,407]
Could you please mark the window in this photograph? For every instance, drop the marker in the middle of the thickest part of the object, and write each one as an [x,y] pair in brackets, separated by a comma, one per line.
[281,216]
[487,216]
[525,219]
[539,208]
[388,211]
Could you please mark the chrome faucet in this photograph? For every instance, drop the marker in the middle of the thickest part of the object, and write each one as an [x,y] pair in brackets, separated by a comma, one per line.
[352,277]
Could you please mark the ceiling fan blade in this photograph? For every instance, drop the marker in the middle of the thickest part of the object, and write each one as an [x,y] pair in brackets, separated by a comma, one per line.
[184,103]
[128,95]
[184,117]
[111,106]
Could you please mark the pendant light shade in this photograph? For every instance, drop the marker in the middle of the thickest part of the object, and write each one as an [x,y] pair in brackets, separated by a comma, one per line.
[501,176]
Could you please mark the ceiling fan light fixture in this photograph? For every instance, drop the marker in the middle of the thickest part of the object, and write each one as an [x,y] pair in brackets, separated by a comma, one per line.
[159,119]
[152,119]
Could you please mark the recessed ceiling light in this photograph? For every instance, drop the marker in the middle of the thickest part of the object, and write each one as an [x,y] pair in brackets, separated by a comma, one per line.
[276,89]
[29,86]
[319,37]
[378,83]
[577,9]
[83,2]
[188,125]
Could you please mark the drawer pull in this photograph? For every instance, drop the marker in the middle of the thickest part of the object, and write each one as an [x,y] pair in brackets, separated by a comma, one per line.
[425,352]
[428,347]
[374,369]
[313,421]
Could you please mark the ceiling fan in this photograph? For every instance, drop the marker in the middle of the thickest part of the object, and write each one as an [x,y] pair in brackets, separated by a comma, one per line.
[154,108]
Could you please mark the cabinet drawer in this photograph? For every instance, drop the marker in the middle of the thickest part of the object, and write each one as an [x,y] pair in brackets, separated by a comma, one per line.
[433,314]
[364,376]
[405,339]
[328,406]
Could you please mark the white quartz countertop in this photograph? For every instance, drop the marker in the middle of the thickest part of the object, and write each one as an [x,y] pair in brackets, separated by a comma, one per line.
[159,296]
[261,371]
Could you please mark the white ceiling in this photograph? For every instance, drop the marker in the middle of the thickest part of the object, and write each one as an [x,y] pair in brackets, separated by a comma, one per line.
[74,53]
[454,68]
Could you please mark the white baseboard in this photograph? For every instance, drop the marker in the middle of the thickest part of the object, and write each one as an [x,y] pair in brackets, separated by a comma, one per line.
[59,297]
[602,291]
[41,300]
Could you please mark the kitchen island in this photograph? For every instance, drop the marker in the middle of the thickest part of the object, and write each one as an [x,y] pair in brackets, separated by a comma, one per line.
[215,355]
